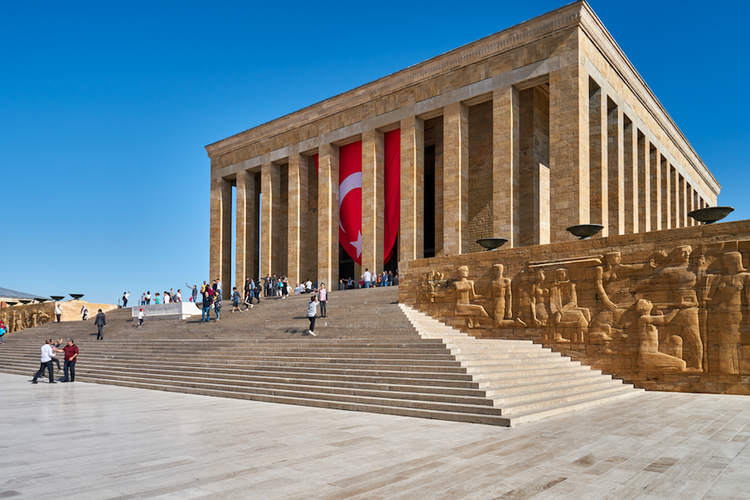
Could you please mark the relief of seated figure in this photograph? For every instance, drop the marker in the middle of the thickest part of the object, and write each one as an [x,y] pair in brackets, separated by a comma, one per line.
[566,315]
[476,316]
[649,356]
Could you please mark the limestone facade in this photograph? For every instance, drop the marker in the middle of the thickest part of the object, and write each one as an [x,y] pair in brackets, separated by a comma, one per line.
[520,134]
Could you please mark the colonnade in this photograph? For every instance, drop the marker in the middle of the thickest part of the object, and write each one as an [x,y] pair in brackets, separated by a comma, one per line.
[564,149]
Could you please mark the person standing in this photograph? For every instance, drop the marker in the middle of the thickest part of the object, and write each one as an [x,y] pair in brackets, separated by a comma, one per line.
[125,297]
[84,313]
[45,363]
[3,331]
[100,321]
[148,297]
[71,356]
[367,277]
[312,311]
[193,293]
[206,305]
[323,296]
[58,311]
[217,304]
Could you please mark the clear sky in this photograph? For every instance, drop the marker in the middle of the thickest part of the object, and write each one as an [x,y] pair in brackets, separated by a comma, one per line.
[105,109]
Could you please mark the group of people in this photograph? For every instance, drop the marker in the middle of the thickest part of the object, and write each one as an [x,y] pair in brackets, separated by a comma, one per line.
[165,298]
[49,349]
[370,280]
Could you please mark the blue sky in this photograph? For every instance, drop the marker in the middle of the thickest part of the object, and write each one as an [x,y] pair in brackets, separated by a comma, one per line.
[105,109]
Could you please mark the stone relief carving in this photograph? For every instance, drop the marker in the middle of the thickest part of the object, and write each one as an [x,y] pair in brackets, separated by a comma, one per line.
[672,311]
[17,319]
[725,318]
[475,314]
[566,314]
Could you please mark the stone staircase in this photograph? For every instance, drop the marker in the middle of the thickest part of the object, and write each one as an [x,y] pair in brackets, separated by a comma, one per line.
[370,354]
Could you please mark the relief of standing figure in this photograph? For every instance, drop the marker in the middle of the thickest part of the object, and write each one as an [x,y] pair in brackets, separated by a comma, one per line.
[725,316]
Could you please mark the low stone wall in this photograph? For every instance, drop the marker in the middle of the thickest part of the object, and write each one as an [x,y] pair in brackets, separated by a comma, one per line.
[173,310]
[21,317]
[665,310]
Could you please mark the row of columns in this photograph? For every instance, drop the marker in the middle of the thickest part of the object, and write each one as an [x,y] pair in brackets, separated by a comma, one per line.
[602,169]
[634,188]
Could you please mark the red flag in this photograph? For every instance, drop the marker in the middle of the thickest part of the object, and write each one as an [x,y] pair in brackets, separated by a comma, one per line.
[350,199]
[392,180]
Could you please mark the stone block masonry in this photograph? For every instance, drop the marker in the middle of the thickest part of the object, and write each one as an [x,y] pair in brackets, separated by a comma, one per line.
[518,135]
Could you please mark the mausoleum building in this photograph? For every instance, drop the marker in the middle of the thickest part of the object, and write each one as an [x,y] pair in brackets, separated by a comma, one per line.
[519,135]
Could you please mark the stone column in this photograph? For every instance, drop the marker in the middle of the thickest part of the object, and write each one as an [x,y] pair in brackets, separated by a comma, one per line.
[297,218]
[328,215]
[666,195]
[644,184]
[569,149]
[455,178]
[684,187]
[616,169]
[630,162]
[505,164]
[599,176]
[269,213]
[674,207]
[411,231]
[220,253]
[246,229]
[373,200]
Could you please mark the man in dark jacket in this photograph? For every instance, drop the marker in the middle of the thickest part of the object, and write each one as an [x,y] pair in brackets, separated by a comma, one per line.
[100,321]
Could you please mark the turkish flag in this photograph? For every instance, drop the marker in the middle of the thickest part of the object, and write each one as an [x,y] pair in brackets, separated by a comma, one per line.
[350,200]
[392,179]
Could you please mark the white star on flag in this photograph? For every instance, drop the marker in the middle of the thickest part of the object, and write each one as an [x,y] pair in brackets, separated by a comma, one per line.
[357,244]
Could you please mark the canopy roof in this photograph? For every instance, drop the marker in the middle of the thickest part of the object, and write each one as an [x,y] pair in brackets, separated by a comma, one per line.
[6,293]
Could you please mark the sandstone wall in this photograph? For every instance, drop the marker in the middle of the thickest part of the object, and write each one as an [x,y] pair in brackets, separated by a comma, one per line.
[665,310]
[19,318]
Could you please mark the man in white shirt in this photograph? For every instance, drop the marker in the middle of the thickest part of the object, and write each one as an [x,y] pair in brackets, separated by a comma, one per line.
[46,362]
[368,278]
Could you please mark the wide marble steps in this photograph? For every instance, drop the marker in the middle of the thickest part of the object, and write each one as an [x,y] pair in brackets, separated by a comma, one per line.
[371,354]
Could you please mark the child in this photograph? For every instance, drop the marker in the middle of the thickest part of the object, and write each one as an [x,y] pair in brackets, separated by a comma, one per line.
[235,299]
[140,318]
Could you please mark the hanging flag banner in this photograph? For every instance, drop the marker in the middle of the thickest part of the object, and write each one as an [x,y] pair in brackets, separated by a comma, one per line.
[392,181]
[350,199]
[315,159]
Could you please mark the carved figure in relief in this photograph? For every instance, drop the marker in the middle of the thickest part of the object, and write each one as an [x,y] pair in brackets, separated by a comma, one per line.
[522,284]
[681,282]
[649,356]
[502,298]
[539,295]
[475,314]
[17,322]
[725,316]
[566,315]
[38,317]
[615,299]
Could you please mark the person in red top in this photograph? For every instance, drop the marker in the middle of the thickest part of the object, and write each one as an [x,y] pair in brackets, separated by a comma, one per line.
[71,356]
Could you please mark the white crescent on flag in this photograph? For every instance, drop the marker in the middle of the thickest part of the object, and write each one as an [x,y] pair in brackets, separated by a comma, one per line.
[354,181]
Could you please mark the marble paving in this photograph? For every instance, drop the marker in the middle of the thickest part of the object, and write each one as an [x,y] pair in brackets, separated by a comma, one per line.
[88,441]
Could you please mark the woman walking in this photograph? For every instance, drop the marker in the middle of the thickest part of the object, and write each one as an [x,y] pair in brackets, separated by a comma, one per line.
[312,311]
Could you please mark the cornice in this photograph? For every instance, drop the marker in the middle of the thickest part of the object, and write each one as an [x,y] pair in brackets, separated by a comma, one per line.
[593,27]
[508,39]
